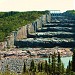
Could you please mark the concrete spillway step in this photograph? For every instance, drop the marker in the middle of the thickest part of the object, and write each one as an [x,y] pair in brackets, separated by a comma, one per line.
[59,25]
[56,29]
[54,39]
[52,34]
[46,44]
[68,21]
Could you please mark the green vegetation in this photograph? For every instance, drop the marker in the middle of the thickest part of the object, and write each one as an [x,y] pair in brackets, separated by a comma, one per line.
[70,14]
[53,67]
[10,21]
[71,11]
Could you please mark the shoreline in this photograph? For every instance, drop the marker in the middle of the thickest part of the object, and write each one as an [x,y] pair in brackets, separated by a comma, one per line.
[35,52]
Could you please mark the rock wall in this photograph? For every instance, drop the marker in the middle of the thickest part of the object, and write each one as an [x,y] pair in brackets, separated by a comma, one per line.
[16,65]
[1,45]
[30,28]
[43,19]
[21,33]
[48,18]
[8,43]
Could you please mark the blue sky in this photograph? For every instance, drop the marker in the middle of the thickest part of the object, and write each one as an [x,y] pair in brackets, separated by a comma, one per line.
[30,5]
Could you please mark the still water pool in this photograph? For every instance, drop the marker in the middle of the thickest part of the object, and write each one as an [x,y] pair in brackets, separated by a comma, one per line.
[65,60]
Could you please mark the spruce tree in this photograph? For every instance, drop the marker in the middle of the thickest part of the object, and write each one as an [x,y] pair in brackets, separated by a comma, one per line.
[39,67]
[53,63]
[68,70]
[69,65]
[49,60]
[49,69]
[59,58]
[46,66]
[32,65]
[62,69]
[73,61]
[59,64]
[24,68]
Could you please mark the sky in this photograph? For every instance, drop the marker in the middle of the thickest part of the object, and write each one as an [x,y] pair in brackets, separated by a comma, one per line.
[30,5]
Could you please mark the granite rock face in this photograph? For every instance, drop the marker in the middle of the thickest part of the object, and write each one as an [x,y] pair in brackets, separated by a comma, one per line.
[15,64]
